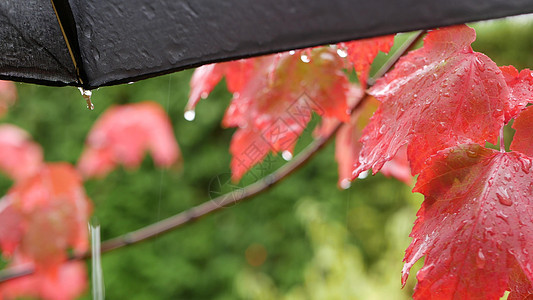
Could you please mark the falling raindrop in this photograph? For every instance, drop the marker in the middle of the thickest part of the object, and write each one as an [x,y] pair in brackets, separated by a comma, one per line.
[305,58]
[342,53]
[287,155]
[97,275]
[189,115]
[345,184]
[87,96]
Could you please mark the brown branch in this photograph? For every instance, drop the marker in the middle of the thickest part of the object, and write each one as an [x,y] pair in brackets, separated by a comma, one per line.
[231,198]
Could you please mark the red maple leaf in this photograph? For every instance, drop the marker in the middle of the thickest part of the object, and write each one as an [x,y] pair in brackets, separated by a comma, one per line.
[69,281]
[438,96]
[523,137]
[361,53]
[8,95]
[274,97]
[48,212]
[520,89]
[474,226]
[348,146]
[21,157]
[123,134]
[206,77]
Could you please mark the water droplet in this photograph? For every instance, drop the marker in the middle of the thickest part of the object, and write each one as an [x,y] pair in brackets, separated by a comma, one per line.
[471,153]
[502,216]
[305,58]
[480,65]
[480,259]
[382,129]
[526,165]
[363,175]
[415,95]
[131,82]
[503,197]
[342,53]
[292,52]
[441,127]
[204,95]
[528,268]
[287,155]
[189,115]
[87,94]
[507,176]
[345,184]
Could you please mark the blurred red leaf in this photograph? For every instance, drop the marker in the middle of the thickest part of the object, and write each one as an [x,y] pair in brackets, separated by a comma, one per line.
[438,96]
[21,157]
[123,134]
[361,53]
[8,95]
[474,226]
[69,281]
[11,226]
[49,212]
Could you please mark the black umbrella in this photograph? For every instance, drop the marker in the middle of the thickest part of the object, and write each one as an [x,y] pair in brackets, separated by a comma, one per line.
[92,43]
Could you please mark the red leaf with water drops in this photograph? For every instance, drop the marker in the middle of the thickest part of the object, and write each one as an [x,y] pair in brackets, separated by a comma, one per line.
[49,212]
[203,81]
[348,146]
[438,96]
[475,226]
[69,281]
[398,167]
[205,78]
[21,157]
[361,53]
[8,95]
[520,89]
[523,137]
[274,98]
[123,134]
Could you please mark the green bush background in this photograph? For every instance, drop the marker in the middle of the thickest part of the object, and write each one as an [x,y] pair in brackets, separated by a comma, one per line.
[321,243]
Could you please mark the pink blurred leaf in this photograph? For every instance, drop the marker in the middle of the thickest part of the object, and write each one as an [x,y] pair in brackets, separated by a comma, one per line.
[21,157]
[123,134]
[67,282]
[52,211]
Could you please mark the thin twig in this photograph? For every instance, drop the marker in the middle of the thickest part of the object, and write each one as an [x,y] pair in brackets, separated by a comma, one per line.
[231,198]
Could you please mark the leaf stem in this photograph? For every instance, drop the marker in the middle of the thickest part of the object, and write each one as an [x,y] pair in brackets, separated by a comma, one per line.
[502,140]
[213,205]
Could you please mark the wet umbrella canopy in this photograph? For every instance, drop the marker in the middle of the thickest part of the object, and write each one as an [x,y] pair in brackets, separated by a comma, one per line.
[92,43]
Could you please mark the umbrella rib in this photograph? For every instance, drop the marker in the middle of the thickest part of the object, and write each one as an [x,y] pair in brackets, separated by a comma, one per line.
[65,18]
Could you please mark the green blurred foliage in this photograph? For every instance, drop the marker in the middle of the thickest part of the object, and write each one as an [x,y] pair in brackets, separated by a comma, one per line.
[317,241]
